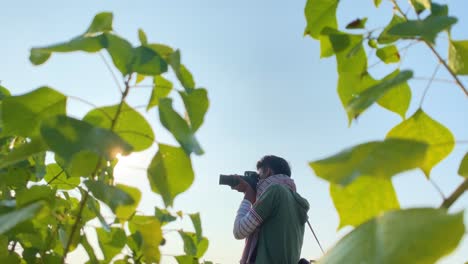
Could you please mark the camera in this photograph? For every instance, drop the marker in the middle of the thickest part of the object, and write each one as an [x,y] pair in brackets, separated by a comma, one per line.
[251,177]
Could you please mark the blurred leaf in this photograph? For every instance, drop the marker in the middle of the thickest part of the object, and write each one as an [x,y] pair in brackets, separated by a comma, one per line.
[407,236]
[372,43]
[161,88]
[13,218]
[463,170]
[22,114]
[388,54]
[4,92]
[377,159]
[142,37]
[94,207]
[164,216]
[365,198]
[124,212]
[398,98]
[439,10]
[186,259]
[151,236]
[139,78]
[458,56]
[350,84]
[197,225]
[184,76]
[131,126]
[420,5]
[170,173]
[102,22]
[164,51]
[377,2]
[178,127]
[22,152]
[33,194]
[112,242]
[148,62]
[89,249]
[196,102]
[108,194]
[423,128]
[192,245]
[357,23]
[385,37]
[426,29]
[362,101]
[57,178]
[320,14]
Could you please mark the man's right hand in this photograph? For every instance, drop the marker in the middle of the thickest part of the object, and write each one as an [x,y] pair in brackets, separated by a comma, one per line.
[244,187]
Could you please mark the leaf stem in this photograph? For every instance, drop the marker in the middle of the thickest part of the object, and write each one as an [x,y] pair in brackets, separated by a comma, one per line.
[437,188]
[111,71]
[429,84]
[455,195]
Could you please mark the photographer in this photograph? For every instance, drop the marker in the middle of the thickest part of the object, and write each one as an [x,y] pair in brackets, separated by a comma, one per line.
[272,217]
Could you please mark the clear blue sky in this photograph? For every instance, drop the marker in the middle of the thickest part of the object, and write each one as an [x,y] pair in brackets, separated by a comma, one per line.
[269,93]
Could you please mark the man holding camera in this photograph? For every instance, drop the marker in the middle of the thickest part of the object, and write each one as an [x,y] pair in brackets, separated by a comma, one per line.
[272,217]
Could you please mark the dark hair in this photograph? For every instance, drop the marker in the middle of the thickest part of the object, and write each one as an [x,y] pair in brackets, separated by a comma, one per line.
[277,164]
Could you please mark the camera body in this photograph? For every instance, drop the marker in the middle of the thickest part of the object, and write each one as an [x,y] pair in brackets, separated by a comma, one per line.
[251,177]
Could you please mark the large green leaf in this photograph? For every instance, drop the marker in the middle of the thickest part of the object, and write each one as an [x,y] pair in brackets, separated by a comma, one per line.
[184,76]
[131,126]
[388,54]
[463,170]
[57,178]
[161,89]
[150,232]
[125,212]
[196,102]
[350,84]
[4,92]
[377,159]
[423,128]
[350,54]
[22,152]
[197,225]
[33,194]
[102,22]
[111,242]
[458,56]
[426,29]
[362,101]
[170,173]
[11,219]
[385,37]
[89,249]
[320,14]
[67,136]
[164,216]
[23,114]
[408,236]
[120,50]
[365,198]
[108,194]
[398,98]
[178,126]
[192,245]
[148,62]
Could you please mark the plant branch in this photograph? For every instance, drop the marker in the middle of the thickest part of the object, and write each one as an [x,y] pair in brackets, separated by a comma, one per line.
[429,85]
[55,177]
[437,188]
[455,195]
[111,71]
[91,104]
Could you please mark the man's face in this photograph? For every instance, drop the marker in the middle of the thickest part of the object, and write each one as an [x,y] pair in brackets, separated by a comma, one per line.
[264,173]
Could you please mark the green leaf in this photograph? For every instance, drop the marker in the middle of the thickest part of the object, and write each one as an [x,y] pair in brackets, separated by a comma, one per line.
[149,229]
[33,194]
[89,249]
[420,5]
[183,75]
[4,92]
[377,2]
[385,37]
[94,207]
[377,159]
[22,152]
[439,10]
[112,242]
[23,114]
[164,216]
[357,23]
[125,212]
[423,128]
[178,127]
[102,22]
[458,56]
[120,50]
[463,170]
[161,88]
[67,136]
[108,194]
[398,98]
[186,259]
[426,29]
[196,102]
[88,44]
[131,126]
[197,225]
[148,62]
[57,178]
[11,219]
[372,43]
[350,53]
[139,78]
[193,246]
[365,198]
[407,236]
[388,54]
[142,37]
[362,101]
[350,84]
[163,50]
[320,14]
[170,173]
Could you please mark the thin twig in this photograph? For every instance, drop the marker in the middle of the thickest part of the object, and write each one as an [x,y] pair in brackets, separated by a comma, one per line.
[90,104]
[55,177]
[111,71]
[429,84]
[437,188]
[434,80]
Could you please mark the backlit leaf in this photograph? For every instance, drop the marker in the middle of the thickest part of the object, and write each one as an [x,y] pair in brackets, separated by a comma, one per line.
[124,212]
[112,242]
[426,29]
[13,218]
[161,88]
[320,14]
[458,56]
[149,229]
[385,37]
[196,102]
[357,23]
[102,22]
[110,195]
[463,170]
[388,54]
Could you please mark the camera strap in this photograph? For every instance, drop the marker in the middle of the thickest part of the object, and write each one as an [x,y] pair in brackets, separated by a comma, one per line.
[318,242]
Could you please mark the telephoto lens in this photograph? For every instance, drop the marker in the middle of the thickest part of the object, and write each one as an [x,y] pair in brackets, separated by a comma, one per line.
[251,177]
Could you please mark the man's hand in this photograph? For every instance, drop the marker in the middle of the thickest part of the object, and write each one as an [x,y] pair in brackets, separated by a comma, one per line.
[244,187]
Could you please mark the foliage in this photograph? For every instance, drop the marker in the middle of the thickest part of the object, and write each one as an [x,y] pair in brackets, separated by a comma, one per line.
[360,176]
[46,208]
